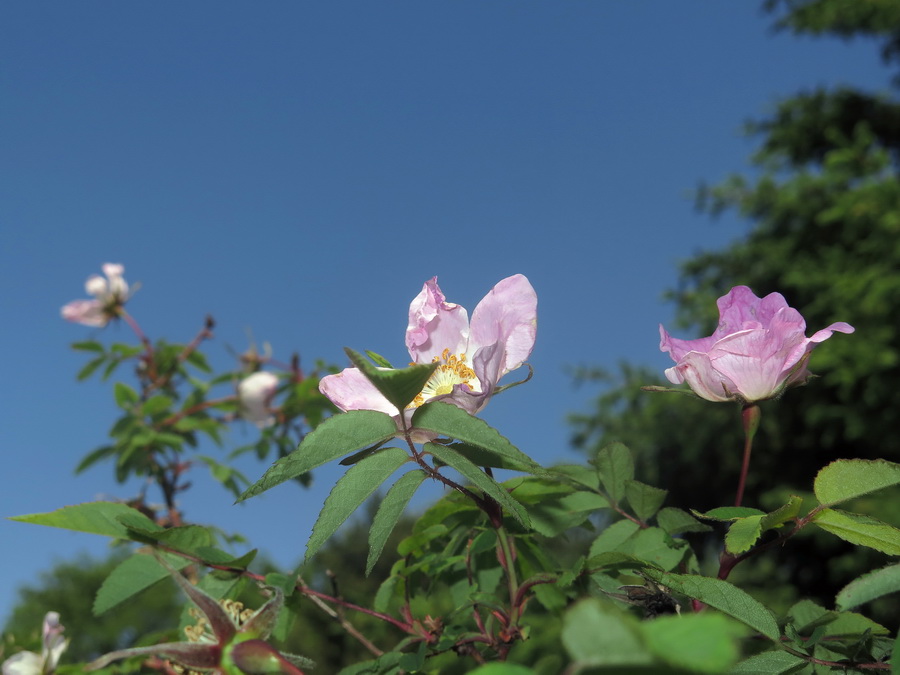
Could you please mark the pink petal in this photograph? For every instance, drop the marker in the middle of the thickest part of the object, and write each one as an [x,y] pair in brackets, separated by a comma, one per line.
[507,315]
[435,325]
[85,312]
[697,370]
[754,361]
[350,390]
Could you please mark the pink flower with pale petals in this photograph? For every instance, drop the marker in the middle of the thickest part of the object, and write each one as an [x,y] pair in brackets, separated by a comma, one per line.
[110,294]
[759,349]
[473,356]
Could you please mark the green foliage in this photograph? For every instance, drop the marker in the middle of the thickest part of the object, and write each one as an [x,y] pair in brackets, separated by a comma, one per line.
[868,587]
[399,386]
[848,479]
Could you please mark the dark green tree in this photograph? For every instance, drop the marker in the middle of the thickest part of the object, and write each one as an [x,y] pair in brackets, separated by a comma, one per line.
[824,201]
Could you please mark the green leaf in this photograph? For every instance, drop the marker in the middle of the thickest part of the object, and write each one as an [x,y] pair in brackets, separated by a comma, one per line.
[125,396]
[88,346]
[132,576]
[378,359]
[349,493]
[616,466]
[613,537]
[502,669]
[89,368]
[769,663]
[783,514]
[653,545]
[94,518]
[868,587]
[336,436]
[389,512]
[155,405]
[723,596]
[398,385]
[743,533]
[95,456]
[860,530]
[598,634]
[849,478]
[728,513]
[480,479]
[675,521]
[645,500]
[447,419]
[556,513]
[700,643]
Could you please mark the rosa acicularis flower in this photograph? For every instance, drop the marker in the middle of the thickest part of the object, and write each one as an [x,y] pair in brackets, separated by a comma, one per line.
[758,350]
[110,293]
[472,355]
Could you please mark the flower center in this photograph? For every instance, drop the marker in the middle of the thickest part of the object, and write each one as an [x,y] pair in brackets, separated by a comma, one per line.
[452,370]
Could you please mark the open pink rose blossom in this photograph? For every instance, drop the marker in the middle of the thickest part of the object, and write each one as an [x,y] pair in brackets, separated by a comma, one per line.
[759,349]
[109,295]
[473,356]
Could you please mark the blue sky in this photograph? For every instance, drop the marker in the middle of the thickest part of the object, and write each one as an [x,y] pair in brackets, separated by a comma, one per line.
[300,169]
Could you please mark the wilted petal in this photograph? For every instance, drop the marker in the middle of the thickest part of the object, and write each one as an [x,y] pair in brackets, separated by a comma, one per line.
[435,325]
[350,390]
[507,315]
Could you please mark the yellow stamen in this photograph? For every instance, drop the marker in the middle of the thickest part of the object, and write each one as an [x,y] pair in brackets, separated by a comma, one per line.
[452,370]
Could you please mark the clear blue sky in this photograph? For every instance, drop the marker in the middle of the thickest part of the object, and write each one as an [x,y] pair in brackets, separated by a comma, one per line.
[302,168]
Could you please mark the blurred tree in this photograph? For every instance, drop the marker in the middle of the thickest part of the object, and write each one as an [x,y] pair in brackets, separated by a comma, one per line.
[824,200]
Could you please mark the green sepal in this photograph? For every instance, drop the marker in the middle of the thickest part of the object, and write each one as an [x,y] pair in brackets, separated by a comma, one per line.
[398,385]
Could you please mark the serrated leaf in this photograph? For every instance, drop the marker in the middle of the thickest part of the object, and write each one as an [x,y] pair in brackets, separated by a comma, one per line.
[850,478]
[613,537]
[555,514]
[644,500]
[94,518]
[502,669]
[723,596]
[129,578]
[333,438]
[95,456]
[728,513]
[389,512]
[481,480]
[155,405]
[675,521]
[351,490]
[398,385]
[775,662]
[615,465]
[447,419]
[653,545]
[860,530]
[125,396]
[699,643]
[868,587]
[362,454]
[743,533]
[782,514]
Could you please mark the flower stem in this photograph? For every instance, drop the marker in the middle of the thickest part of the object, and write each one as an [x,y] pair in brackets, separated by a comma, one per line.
[750,416]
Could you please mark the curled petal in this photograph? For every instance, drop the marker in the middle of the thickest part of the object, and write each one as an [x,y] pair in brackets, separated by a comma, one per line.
[435,325]
[507,316]
[695,369]
[350,390]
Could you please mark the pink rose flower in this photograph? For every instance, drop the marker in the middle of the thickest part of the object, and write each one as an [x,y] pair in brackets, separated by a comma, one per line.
[759,349]
[473,356]
[255,393]
[109,296]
